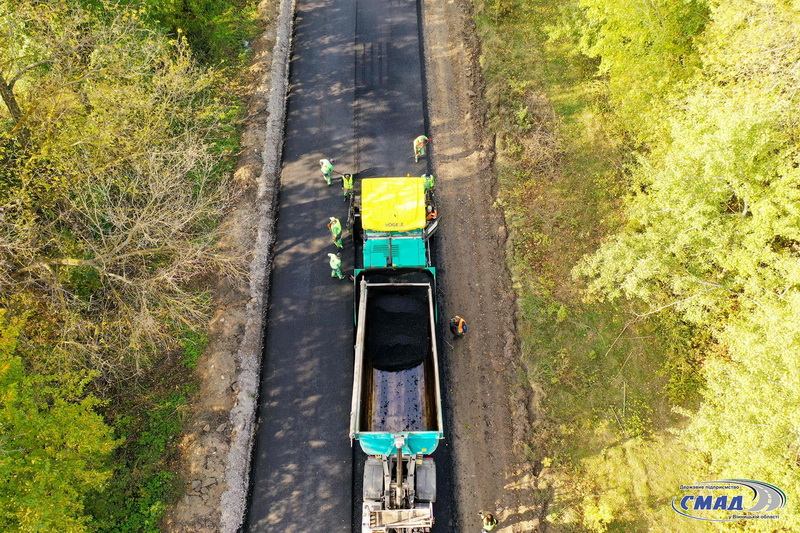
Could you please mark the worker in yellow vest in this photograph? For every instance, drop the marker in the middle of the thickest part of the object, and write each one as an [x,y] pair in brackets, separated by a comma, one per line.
[347,185]
[326,166]
[489,521]
[419,147]
[335,261]
[430,182]
[336,232]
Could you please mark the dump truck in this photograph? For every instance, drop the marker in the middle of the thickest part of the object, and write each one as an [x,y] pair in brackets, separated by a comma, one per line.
[396,413]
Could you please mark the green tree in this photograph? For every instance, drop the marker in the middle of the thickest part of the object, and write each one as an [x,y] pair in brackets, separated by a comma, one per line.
[646,54]
[54,447]
[116,150]
[715,219]
[749,424]
[753,43]
[713,235]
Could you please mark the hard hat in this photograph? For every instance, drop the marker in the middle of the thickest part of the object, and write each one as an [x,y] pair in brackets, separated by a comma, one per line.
[333,218]
[429,208]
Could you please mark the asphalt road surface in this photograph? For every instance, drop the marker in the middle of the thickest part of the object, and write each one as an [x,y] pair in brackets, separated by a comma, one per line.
[356,89]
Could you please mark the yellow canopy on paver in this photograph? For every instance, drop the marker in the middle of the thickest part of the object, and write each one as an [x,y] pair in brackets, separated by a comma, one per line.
[393,204]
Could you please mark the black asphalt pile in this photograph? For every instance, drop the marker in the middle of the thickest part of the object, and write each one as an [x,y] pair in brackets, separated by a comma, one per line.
[397,336]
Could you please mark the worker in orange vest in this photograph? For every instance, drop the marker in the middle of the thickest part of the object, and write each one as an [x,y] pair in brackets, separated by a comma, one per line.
[458,327]
[432,213]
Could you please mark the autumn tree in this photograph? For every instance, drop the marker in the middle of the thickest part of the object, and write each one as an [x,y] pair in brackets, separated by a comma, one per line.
[112,198]
[114,169]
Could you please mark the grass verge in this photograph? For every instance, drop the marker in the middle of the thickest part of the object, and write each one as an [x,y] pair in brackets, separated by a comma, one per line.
[149,414]
[148,417]
[608,439]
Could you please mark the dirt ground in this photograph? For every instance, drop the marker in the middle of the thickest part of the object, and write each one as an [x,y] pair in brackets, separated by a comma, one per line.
[491,414]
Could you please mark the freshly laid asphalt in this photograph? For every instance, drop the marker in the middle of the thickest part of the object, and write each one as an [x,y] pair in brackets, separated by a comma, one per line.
[356,88]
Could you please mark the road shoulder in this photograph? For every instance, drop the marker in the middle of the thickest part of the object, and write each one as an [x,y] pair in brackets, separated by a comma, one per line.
[491,414]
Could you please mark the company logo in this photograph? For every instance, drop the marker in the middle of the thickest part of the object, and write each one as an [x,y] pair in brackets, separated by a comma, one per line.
[726,500]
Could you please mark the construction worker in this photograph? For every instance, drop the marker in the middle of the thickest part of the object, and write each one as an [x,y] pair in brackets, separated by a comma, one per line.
[336,232]
[458,327]
[335,260]
[429,181]
[347,185]
[419,147]
[432,213]
[326,166]
[489,521]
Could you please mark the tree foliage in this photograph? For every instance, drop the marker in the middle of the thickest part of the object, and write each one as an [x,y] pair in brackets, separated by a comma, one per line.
[213,28]
[115,156]
[714,212]
[646,51]
[54,447]
[749,422]
[714,221]
[113,190]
